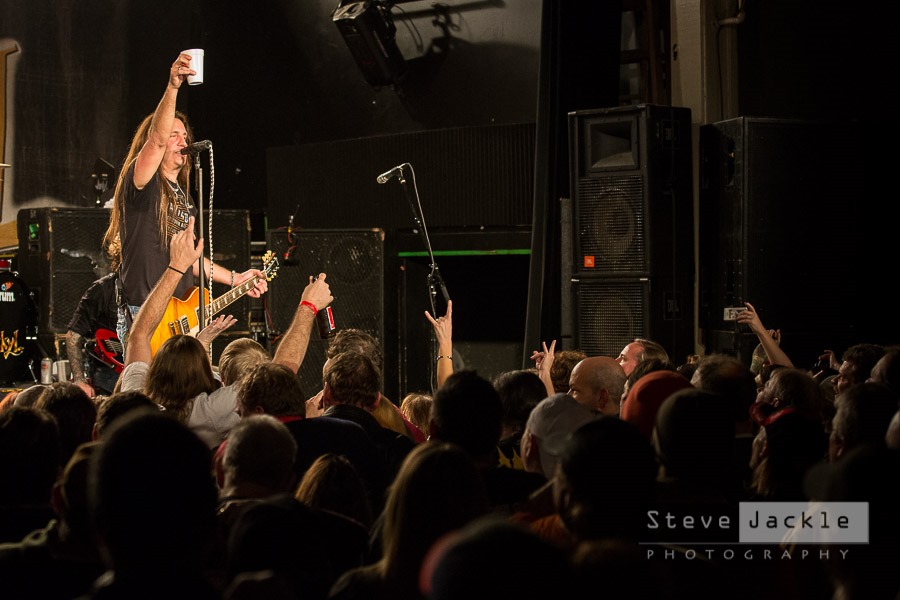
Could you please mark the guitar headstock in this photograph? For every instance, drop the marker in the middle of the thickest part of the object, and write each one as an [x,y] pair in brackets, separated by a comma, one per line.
[270,265]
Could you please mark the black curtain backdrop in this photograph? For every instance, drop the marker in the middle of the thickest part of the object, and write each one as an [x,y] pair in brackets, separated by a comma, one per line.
[579,70]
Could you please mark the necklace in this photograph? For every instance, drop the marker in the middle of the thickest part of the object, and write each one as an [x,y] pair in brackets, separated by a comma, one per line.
[175,187]
[180,197]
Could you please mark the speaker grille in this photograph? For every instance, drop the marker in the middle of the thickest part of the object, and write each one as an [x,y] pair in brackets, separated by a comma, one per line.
[610,313]
[353,261]
[59,257]
[611,224]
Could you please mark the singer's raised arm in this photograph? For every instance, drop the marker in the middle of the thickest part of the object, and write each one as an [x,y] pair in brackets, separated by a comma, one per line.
[152,200]
[160,132]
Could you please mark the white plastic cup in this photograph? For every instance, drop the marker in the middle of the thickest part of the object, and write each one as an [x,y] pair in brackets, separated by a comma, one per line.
[196,64]
[62,370]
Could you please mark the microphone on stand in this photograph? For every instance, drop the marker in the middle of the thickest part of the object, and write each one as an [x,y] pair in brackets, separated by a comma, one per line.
[196,148]
[388,175]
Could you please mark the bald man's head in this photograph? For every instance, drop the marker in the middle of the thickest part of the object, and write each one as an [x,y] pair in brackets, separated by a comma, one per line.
[597,382]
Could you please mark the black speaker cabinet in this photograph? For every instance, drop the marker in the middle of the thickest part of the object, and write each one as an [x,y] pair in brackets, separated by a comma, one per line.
[353,261]
[788,224]
[632,205]
[59,257]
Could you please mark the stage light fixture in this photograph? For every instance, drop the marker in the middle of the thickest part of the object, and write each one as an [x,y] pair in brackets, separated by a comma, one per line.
[368,29]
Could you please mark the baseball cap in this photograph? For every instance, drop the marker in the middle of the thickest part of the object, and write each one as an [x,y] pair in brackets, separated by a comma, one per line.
[552,421]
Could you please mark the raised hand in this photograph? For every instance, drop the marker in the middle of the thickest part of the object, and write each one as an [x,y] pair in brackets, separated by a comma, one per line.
[443,326]
[185,249]
[833,362]
[769,338]
[180,70]
[543,361]
[215,327]
[443,331]
[317,292]
[751,318]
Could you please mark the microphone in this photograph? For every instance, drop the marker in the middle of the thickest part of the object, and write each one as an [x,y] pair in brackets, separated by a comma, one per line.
[388,175]
[196,147]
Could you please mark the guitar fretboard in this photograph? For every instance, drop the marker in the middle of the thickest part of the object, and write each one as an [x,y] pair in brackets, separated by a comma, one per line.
[270,266]
[230,296]
[114,347]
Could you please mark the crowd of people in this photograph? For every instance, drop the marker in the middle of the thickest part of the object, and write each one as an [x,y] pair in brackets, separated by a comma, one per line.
[197,480]
[223,481]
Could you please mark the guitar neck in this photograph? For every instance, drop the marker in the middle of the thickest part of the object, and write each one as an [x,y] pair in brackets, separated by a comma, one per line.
[229,297]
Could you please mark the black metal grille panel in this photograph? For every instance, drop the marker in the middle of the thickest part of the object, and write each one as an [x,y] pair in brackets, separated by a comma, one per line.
[610,313]
[353,261]
[59,257]
[611,224]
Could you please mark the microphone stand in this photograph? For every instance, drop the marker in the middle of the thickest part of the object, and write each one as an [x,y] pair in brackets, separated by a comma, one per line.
[434,277]
[435,281]
[201,280]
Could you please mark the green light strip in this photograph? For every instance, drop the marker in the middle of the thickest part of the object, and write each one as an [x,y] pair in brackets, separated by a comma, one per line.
[512,251]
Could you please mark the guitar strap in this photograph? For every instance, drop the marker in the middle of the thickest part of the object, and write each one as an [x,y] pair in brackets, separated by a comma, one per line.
[121,300]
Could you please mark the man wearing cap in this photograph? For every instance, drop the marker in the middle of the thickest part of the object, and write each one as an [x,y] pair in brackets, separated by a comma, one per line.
[790,441]
[647,395]
[549,426]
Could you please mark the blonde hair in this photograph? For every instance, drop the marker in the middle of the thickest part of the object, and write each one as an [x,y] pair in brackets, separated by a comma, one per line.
[239,358]
[389,416]
[416,407]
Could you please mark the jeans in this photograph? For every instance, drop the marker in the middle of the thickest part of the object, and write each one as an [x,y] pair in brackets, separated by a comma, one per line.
[122,325]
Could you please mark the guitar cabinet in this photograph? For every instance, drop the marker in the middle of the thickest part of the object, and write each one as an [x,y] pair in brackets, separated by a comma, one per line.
[60,256]
[353,261]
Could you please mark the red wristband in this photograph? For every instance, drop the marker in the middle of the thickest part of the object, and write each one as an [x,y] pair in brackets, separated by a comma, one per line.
[309,305]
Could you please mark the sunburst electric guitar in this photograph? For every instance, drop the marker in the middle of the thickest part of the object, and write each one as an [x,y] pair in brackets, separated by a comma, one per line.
[182,316]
